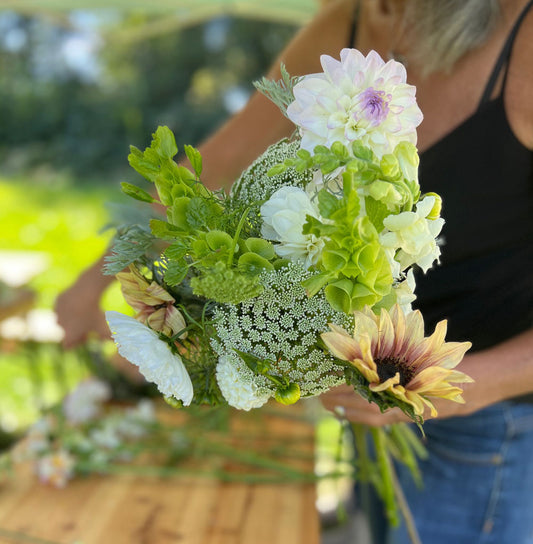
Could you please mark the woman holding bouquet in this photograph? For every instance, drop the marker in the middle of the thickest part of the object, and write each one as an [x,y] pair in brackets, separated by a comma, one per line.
[471,63]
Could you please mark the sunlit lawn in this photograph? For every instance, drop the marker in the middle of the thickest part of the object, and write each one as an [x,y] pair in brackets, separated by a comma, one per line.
[62,220]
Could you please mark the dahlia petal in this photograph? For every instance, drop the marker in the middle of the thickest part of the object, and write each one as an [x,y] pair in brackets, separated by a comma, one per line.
[142,347]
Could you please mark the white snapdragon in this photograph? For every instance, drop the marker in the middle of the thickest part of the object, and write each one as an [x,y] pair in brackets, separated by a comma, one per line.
[411,236]
[236,382]
[284,216]
[405,292]
[142,347]
[356,98]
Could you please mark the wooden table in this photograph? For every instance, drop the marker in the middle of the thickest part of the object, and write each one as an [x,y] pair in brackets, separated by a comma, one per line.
[130,509]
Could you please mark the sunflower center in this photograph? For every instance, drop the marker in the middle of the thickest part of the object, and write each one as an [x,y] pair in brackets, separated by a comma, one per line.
[387,368]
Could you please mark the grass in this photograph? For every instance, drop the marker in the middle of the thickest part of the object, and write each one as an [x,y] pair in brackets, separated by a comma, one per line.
[62,220]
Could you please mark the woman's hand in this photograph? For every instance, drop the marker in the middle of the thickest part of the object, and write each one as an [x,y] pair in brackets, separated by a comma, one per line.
[79,314]
[78,307]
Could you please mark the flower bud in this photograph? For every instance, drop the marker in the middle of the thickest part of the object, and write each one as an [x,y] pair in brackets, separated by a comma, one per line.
[437,207]
[289,394]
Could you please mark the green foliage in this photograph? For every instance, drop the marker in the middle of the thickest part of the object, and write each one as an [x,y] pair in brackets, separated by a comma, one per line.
[354,268]
[136,192]
[209,235]
[131,244]
[280,92]
[226,285]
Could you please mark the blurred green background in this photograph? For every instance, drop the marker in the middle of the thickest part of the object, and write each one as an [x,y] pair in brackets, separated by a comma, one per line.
[77,87]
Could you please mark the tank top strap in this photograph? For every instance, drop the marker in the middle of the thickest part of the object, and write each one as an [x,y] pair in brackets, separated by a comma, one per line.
[502,61]
[353,27]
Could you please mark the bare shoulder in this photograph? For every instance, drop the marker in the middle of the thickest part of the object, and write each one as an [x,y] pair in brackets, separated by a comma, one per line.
[327,33]
[519,88]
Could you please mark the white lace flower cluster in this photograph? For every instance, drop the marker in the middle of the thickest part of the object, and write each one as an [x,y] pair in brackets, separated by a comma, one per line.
[255,185]
[281,326]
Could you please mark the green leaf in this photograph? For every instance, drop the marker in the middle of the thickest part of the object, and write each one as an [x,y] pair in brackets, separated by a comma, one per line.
[195,158]
[149,169]
[198,213]
[255,364]
[340,150]
[175,272]
[327,203]
[362,152]
[164,230]
[163,186]
[262,247]
[313,284]
[176,251]
[276,170]
[217,239]
[136,192]
[178,212]
[376,211]
[252,264]
[164,142]
[316,227]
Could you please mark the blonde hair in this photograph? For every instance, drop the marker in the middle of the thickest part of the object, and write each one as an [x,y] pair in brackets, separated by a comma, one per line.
[446,30]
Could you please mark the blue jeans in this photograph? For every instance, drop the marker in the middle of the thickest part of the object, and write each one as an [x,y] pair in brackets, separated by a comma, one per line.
[478,480]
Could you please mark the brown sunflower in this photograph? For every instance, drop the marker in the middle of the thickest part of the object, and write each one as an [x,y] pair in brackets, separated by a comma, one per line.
[391,352]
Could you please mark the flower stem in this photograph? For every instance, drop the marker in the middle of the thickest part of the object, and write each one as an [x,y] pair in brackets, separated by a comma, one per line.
[384,462]
[405,510]
[236,237]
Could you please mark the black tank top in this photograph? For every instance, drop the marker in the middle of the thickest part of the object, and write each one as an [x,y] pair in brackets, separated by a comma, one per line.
[484,284]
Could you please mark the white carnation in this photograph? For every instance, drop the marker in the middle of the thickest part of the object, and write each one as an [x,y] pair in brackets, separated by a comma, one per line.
[236,382]
[284,216]
[412,237]
[142,347]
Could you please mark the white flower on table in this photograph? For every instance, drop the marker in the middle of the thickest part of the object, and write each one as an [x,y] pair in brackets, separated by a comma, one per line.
[142,347]
[284,216]
[411,236]
[56,468]
[85,402]
[356,98]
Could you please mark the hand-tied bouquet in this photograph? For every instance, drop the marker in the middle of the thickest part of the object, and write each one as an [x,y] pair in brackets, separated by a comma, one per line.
[301,278]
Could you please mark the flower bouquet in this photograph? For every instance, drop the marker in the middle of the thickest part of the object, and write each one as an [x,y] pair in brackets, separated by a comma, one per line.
[301,278]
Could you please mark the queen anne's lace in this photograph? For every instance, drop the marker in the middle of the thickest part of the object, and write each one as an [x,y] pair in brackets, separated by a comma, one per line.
[282,326]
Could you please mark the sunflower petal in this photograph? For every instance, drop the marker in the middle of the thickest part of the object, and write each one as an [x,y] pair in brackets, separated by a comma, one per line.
[342,346]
